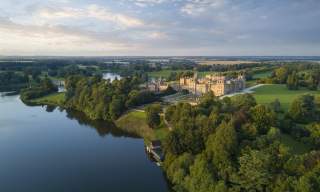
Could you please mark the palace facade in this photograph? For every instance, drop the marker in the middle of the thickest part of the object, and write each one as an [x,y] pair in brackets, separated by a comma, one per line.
[219,85]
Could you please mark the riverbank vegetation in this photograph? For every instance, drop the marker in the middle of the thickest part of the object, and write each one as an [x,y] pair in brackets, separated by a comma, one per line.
[45,87]
[13,81]
[54,99]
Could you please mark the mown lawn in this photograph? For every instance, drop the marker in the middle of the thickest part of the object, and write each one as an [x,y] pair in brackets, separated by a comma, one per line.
[52,99]
[135,122]
[268,93]
[262,75]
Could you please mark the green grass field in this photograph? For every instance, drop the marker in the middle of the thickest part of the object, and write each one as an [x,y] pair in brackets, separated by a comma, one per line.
[135,122]
[262,75]
[268,93]
[52,99]
[162,73]
[166,73]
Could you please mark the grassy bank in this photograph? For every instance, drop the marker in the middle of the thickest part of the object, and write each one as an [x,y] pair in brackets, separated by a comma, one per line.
[56,99]
[135,122]
[268,93]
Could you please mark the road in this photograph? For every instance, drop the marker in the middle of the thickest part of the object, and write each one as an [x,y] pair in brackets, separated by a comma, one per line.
[244,91]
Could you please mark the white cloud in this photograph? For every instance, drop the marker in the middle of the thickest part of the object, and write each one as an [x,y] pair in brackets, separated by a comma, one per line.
[92,11]
[195,7]
[144,3]
[104,14]
[157,35]
[60,13]
[40,40]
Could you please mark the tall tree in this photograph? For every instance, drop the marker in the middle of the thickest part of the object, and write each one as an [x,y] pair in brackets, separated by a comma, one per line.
[303,109]
[221,148]
[153,116]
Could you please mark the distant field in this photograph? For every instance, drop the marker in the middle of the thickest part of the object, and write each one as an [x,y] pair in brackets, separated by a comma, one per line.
[166,73]
[216,62]
[268,93]
[262,75]
[163,73]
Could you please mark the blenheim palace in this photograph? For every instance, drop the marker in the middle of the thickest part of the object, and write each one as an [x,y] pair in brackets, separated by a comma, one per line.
[219,85]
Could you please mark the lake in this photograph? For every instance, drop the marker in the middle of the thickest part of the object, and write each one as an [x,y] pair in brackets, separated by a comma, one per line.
[47,149]
[111,76]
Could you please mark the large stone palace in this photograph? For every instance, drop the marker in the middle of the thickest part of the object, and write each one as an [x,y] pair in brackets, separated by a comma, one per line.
[219,85]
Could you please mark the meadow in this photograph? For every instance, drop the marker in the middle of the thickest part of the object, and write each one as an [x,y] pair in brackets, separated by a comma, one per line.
[262,75]
[52,99]
[268,93]
[135,122]
[166,73]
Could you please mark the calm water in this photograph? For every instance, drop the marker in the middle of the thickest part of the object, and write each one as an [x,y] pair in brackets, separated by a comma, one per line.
[46,149]
[111,76]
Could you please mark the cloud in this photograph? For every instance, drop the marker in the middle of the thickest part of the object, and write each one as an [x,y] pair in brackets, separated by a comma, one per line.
[39,40]
[104,14]
[145,3]
[91,11]
[196,7]
[157,35]
[155,27]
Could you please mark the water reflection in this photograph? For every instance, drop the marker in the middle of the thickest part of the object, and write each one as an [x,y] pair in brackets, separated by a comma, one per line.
[52,149]
[110,76]
[102,127]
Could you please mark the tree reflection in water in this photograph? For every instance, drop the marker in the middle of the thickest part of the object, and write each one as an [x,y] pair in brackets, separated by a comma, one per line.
[102,127]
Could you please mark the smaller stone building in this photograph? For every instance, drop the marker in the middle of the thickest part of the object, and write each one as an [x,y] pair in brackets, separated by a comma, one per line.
[157,86]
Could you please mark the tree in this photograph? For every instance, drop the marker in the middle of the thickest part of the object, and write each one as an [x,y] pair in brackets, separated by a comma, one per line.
[153,116]
[116,108]
[221,148]
[263,118]
[179,168]
[254,174]
[303,109]
[310,181]
[201,178]
[293,81]
[281,74]
[169,112]
[276,106]
[314,130]
[245,101]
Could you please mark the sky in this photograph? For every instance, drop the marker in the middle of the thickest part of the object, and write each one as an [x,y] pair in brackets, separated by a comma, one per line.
[160,27]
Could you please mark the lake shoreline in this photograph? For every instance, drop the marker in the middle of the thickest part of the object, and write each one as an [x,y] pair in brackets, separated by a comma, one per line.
[137,123]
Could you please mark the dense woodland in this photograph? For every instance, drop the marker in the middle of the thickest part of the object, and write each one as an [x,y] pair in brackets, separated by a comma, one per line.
[11,81]
[45,87]
[234,144]
[101,99]
[296,76]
